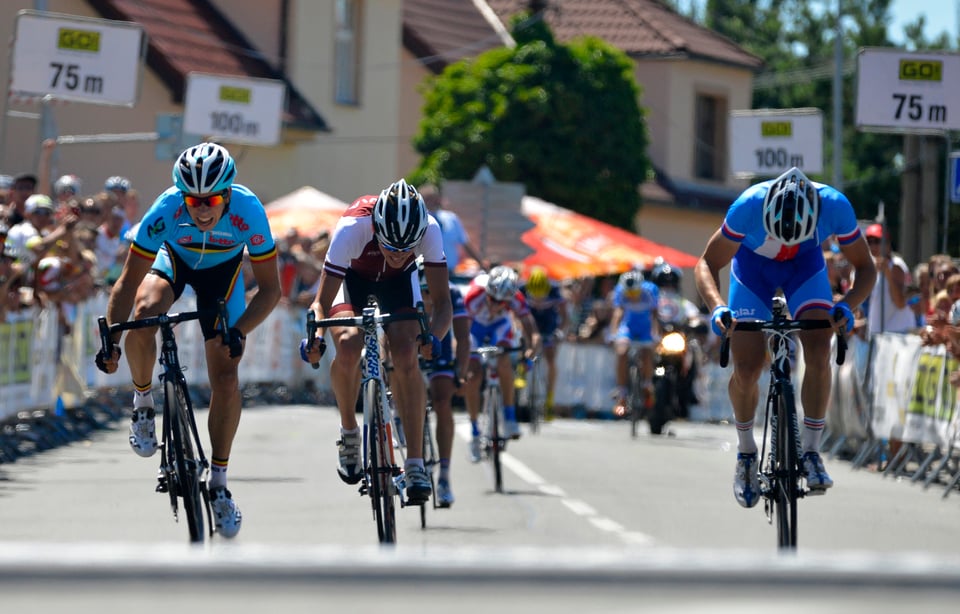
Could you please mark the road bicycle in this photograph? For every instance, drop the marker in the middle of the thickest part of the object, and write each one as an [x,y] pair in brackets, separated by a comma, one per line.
[183,465]
[382,474]
[639,399]
[492,441]
[781,472]
[528,391]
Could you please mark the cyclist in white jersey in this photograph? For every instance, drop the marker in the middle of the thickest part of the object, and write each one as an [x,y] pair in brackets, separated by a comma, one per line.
[373,251]
[194,234]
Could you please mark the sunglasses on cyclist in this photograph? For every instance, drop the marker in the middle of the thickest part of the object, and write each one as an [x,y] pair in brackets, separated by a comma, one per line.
[214,200]
[394,250]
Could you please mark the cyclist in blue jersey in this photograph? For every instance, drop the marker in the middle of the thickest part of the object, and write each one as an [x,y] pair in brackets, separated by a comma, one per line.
[194,234]
[771,237]
[634,323]
[549,310]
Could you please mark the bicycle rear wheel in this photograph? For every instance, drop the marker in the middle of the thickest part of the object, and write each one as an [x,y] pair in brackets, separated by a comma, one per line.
[379,471]
[186,463]
[786,470]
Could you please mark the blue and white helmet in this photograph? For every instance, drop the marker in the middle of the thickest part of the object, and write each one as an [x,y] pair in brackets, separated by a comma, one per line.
[206,168]
[791,208]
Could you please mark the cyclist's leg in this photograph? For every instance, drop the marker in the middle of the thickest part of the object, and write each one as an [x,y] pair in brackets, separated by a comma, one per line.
[621,351]
[409,392]
[550,357]
[441,391]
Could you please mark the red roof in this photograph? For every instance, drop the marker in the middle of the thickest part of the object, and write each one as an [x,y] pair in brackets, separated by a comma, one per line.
[193,36]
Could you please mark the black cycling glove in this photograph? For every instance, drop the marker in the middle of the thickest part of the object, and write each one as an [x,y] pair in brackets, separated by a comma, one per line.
[235,341]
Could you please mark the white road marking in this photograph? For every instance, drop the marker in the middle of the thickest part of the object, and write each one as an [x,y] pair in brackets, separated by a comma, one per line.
[578,507]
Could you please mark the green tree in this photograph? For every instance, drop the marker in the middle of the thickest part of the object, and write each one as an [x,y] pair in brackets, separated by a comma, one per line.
[562,119]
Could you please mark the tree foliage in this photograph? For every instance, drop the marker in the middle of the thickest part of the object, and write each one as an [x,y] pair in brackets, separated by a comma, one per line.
[563,119]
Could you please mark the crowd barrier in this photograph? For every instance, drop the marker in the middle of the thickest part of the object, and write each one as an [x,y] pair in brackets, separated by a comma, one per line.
[890,387]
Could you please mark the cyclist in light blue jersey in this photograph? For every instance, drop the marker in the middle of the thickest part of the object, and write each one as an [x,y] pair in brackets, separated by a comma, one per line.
[772,237]
[194,234]
[634,323]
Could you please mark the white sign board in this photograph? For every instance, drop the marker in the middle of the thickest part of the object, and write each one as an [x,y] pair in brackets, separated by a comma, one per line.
[77,58]
[908,91]
[767,142]
[238,109]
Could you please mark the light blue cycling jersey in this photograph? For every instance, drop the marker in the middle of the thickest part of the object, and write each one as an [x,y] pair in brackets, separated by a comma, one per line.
[744,222]
[637,321]
[764,265]
[244,223]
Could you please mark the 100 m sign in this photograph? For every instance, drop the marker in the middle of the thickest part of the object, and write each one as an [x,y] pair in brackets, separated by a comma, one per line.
[777,157]
[222,122]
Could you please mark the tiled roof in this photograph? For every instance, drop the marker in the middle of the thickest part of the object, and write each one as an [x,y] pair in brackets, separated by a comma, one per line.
[637,27]
[192,36]
[440,32]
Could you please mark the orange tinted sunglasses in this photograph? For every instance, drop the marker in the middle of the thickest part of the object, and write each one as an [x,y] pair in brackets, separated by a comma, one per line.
[213,200]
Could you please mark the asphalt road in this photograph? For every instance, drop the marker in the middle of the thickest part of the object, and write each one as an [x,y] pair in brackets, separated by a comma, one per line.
[591,520]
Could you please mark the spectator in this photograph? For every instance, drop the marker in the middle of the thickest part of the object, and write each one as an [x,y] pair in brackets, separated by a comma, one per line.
[12,277]
[455,238]
[887,309]
[24,185]
[6,185]
[27,239]
[111,249]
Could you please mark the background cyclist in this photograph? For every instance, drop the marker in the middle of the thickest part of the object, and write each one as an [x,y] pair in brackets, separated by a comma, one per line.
[549,310]
[373,251]
[194,234]
[771,238]
[447,373]
[490,299]
[634,323]
[673,309]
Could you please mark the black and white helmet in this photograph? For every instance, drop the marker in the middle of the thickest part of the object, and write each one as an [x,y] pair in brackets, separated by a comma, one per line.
[400,217]
[791,208]
[502,283]
[206,168]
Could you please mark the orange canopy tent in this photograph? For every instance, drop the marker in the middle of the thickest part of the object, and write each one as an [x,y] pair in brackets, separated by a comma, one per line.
[569,245]
[308,210]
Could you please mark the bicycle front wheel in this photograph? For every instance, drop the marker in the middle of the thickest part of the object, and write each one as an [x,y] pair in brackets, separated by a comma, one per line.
[492,413]
[786,470]
[379,470]
[186,463]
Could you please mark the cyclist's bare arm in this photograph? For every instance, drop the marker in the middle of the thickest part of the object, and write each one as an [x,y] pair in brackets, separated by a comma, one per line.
[124,289]
[532,335]
[326,293]
[717,254]
[865,272]
[438,283]
[264,299]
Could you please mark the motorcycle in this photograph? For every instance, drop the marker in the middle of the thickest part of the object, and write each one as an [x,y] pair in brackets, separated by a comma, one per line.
[676,361]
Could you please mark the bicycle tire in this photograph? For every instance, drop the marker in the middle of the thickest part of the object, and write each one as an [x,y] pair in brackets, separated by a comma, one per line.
[787,470]
[185,460]
[533,396]
[493,407]
[634,398]
[430,461]
[379,471]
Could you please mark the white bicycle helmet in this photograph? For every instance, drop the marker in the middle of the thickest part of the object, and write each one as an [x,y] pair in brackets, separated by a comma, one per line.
[502,283]
[631,281]
[67,183]
[791,208]
[400,217]
[206,168]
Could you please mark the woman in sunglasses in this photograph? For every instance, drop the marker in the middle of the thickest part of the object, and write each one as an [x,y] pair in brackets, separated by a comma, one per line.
[195,234]
[373,251]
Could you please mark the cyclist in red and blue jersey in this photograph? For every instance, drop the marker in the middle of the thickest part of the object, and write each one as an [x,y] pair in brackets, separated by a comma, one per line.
[549,310]
[195,234]
[491,298]
[373,251]
[771,237]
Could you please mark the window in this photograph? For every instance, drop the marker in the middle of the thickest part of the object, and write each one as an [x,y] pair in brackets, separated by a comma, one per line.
[347,52]
[710,148]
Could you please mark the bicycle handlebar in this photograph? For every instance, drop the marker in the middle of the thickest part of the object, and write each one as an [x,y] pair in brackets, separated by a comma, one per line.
[779,325]
[163,319]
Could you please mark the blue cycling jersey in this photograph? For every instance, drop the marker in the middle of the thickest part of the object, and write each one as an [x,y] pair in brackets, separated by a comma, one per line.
[244,223]
[744,223]
[637,322]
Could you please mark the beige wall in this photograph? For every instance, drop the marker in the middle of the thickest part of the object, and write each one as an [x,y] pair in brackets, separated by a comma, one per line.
[259,21]
[669,95]
[413,74]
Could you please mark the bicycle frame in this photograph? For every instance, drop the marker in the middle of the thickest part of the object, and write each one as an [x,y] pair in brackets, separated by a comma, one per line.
[382,479]
[183,464]
[492,442]
[780,470]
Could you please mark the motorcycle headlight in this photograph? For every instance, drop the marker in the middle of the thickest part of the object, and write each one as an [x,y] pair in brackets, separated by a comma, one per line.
[673,343]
